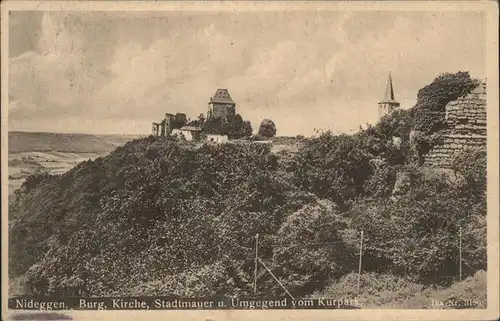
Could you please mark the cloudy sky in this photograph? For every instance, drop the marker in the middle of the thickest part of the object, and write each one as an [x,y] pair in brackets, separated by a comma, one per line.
[116,72]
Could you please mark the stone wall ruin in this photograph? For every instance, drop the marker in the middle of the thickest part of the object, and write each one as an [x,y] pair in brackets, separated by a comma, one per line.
[466,128]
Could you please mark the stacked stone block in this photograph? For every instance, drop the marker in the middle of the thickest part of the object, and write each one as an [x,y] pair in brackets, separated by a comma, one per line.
[466,128]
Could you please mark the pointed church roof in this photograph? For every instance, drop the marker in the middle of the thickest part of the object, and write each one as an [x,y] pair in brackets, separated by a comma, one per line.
[222,96]
[389,91]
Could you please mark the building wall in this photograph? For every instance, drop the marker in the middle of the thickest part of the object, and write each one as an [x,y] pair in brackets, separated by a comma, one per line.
[164,128]
[221,110]
[183,133]
[216,138]
[167,124]
[466,128]
[467,115]
[155,131]
[386,108]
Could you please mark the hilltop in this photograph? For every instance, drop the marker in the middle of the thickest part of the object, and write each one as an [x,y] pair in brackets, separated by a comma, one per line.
[159,217]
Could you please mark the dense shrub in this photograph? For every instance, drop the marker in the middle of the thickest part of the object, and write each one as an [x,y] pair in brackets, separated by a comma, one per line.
[417,234]
[380,139]
[207,281]
[374,289]
[234,127]
[332,167]
[432,99]
[468,294]
[309,250]
[381,182]
[391,291]
[471,164]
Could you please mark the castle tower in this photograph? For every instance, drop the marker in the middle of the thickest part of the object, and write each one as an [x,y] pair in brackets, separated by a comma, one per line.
[166,124]
[389,104]
[221,105]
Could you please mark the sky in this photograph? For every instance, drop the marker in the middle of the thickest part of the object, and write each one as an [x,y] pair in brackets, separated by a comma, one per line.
[117,72]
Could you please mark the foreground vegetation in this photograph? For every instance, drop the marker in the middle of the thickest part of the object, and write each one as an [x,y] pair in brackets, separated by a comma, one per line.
[158,217]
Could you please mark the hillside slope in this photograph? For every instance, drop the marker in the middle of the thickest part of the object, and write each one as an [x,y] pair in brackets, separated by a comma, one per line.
[155,207]
[159,216]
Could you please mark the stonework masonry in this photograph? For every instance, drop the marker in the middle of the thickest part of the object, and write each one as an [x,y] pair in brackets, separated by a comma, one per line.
[221,105]
[466,128]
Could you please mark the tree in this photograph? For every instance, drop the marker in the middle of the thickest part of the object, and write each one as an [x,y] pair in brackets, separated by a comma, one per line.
[179,121]
[234,127]
[199,122]
[246,129]
[267,128]
[378,139]
[238,127]
[333,167]
[313,250]
[201,119]
[214,126]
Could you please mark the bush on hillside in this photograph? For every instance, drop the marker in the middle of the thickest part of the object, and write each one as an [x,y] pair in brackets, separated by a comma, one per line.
[375,290]
[234,127]
[379,139]
[468,294]
[308,249]
[381,182]
[159,216]
[332,167]
[208,282]
[471,165]
[417,234]
[390,291]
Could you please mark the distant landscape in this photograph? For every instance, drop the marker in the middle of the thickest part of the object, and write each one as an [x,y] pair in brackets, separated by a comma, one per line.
[55,153]
[65,142]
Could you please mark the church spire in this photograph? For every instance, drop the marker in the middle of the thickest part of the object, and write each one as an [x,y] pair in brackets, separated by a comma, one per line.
[389,90]
[389,103]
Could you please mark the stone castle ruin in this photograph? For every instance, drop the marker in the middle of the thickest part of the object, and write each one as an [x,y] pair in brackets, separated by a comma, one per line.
[466,128]
[220,105]
[169,123]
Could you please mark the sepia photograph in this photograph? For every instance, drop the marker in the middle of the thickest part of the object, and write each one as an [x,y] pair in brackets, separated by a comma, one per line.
[174,157]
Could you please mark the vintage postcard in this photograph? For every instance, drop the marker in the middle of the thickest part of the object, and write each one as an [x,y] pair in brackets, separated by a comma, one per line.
[250,160]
